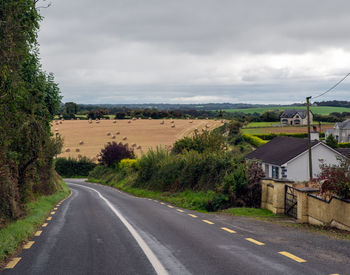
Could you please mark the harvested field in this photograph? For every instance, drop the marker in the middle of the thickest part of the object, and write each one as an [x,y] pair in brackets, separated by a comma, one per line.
[143,133]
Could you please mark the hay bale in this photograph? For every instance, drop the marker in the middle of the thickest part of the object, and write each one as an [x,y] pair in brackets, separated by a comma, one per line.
[196,118]
[108,133]
[125,138]
[113,137]
[80,156]
[134,118]
[94,159]
[149,118]
[139,147]
[90,122]
[57,123]
[60,122]
[81,142]
[56,129]
[133,145]
[117,133]
[114,121]
[191,121]
[223,121]
[77,150]
[173,126]
[67,150]
[207,126]
[207,118]
[129,121]
[97,121]
[78,118]
[162,122]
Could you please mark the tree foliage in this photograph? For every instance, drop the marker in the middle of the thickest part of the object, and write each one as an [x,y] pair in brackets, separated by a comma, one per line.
[114,152]
[29,100]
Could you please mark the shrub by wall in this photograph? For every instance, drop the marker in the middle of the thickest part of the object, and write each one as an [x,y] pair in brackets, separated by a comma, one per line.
[71,167]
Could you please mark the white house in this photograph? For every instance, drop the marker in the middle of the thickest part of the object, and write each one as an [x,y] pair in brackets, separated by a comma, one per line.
[287,158]
[295,117]
[341,131]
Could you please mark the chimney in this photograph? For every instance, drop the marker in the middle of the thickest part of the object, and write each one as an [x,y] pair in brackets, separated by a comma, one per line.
[315,135]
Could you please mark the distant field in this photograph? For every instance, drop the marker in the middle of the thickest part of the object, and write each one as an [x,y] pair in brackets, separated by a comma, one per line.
[277,124]
[142,132]
[322,110]
[284,129]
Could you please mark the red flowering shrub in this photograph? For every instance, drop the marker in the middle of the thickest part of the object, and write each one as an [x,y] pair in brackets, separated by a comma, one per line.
[335,179]
[114,152]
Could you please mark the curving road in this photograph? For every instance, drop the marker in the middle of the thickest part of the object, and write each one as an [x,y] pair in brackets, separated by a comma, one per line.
[100,230]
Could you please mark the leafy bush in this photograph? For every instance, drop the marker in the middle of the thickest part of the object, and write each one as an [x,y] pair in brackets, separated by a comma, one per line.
[253,140]
[200,142]
[74,167]
[335,179]
[114,152]
[128,163]
[331,141]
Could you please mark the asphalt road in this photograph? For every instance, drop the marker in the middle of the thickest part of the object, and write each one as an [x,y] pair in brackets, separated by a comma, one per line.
[99,230]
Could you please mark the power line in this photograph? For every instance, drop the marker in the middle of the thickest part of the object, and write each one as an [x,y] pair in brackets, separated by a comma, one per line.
[330,89]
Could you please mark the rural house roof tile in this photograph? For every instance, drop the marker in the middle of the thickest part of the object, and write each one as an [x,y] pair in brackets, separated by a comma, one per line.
[280,150]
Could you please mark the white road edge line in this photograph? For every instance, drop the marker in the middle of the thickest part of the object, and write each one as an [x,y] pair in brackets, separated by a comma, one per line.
[158,267]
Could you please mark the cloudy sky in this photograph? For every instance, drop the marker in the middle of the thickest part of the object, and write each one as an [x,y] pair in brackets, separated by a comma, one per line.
[196,51]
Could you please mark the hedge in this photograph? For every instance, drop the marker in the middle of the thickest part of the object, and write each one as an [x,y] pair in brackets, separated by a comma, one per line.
[254,140]
[71,167]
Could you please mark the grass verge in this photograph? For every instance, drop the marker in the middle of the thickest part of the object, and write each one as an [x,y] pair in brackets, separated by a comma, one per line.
[250,212]
[197,201]
[16,233]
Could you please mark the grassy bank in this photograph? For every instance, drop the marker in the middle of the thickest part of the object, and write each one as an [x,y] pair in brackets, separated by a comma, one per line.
[197,201]
[16,233]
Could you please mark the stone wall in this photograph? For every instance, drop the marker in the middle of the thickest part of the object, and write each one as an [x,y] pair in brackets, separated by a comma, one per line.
[311,209]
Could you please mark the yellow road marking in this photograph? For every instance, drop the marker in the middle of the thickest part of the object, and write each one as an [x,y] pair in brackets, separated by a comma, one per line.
[28,245]
[170,206]
[53,213]
[208,222]
[162,203]
[334,274]
[180,210]
[193,216]
[12,263]
[228,230]
[254,241]
[37,233]
[44,224]
[291,256]
[49,219]
[55,208]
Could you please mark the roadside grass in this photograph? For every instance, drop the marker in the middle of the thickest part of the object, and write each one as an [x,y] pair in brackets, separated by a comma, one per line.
[16,233]
[322,110]
[188,199]
[250,212]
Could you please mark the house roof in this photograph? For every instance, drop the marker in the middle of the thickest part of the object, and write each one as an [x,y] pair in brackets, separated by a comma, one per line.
[344,151]
[344,125]
[280,150]
[292,113]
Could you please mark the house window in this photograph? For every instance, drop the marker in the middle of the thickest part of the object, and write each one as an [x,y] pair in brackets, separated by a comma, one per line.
[297,121]
[267,170]
[275,172]
[284,121]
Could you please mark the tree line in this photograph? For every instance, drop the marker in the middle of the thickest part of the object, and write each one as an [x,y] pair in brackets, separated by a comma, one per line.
[29,100]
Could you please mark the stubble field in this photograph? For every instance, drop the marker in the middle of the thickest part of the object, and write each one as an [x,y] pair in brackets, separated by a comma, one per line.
[140,134]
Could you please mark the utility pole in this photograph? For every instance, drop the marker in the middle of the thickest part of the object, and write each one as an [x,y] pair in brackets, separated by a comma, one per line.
[309,139]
